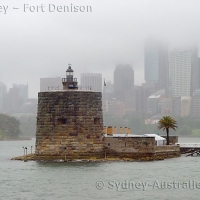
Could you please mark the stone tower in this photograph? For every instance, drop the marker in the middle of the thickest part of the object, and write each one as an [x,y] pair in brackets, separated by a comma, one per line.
[69,122]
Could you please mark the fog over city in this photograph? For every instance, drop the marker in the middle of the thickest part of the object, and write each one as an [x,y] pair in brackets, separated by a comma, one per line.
[41,44]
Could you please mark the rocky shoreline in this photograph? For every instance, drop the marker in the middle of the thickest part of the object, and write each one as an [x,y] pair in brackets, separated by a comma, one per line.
[33,157]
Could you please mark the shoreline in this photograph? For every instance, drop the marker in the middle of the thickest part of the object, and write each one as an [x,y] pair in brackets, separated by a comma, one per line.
[33,157]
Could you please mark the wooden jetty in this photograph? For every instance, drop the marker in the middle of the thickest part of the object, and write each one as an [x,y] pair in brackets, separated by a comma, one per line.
[193,152]
[190,149]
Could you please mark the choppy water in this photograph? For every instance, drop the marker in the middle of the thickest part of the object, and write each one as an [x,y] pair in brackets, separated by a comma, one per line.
[171,179]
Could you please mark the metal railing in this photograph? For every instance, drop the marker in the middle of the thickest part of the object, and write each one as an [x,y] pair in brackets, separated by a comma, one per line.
[69,80]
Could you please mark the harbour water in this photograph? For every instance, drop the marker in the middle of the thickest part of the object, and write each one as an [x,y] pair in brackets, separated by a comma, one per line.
[170,179]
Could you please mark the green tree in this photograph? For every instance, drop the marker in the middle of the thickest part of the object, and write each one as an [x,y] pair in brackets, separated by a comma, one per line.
[167,123]
[9,126]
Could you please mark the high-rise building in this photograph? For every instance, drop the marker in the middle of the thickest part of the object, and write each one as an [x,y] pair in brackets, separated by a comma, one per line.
[123,81]
[195,108]
[15,98]
[3,90]
[184,71]
[130,101]
[140,101]
[153,102]
[91,81]
[50,84]
[23,92]
[199,73]
[156,65]
[194,70]
[180,73]
[115,108]
[181,106]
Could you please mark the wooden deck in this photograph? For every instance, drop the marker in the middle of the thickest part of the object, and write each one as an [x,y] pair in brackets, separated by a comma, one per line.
[190,149]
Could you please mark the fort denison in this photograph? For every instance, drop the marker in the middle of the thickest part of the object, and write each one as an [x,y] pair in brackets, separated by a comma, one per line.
[70,126]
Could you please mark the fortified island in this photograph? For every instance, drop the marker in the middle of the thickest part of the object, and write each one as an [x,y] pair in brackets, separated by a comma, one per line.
[70,127]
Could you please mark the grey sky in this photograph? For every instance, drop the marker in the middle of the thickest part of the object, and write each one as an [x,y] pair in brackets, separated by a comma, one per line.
[35,45]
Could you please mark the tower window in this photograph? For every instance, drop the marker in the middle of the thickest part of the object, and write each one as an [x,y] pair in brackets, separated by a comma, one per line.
[62,121]
[96,120]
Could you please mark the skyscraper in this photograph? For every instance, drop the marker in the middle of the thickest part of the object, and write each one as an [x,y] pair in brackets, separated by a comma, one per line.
[195,108]
[123,80]
[91,81]
[23,92]
[199,72]
[15,99]
[180,73]
[184,71]
[156,66]
[194,70]
[3,90]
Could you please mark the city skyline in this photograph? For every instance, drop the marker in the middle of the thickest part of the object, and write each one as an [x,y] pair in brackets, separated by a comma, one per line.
[124,97]
[137,81]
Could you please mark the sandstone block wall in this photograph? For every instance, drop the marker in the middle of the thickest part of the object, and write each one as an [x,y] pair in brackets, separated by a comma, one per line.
[165,148]
[130,144]
[138,147]
[130,147]
[169,150]
[69,122]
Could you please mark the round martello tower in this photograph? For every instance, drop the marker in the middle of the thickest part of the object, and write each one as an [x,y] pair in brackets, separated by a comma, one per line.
[69,122]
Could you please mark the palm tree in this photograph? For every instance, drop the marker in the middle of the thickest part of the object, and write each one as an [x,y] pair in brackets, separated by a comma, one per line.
[166,123]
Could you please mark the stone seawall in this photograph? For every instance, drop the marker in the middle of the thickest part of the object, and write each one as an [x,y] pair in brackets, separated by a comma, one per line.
[130,144]
[167,151]
[115,154]
[138,148]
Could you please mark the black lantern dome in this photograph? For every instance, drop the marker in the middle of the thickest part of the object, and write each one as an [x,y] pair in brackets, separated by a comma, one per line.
[69,82]
[69,73]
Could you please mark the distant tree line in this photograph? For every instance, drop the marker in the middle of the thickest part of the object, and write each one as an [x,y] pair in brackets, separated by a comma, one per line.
[9,127]
[186,126]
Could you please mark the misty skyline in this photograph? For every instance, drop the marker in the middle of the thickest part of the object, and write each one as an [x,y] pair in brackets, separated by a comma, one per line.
[39,45]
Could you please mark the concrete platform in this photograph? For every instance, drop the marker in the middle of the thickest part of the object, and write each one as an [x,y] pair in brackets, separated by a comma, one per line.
[189,145]
[185,147]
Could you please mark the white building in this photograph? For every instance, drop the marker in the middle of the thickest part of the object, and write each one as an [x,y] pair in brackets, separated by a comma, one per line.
[160,141]
[91,81]
[180,73]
